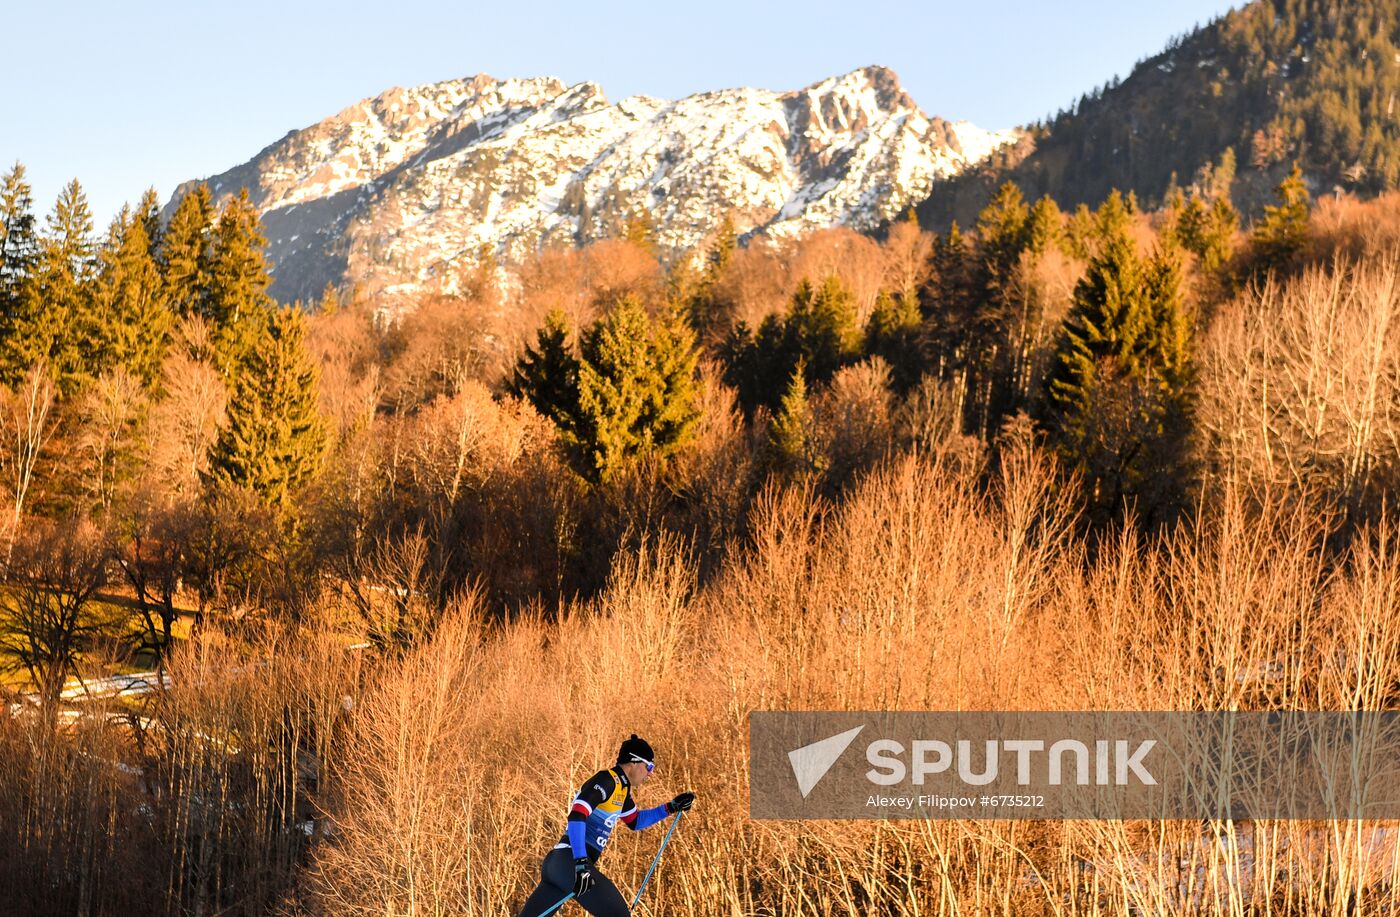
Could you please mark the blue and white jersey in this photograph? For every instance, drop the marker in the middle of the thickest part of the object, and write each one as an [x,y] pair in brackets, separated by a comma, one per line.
[604,799]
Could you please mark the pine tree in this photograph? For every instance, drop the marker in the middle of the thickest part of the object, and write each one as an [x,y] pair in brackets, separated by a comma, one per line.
[237,304]
[1044,226]
[972,339]
[636,390]
[949,303]
[790,430]
[1283,231]
[546,375]
[1208,232]
[72,250]
[1118,395]
[893,333]
[722,249]
[19,244]
[130,297]
[55,324]
[186,254]
[631,391]
[1104,323]
[1214,182]
[1113,219]
[274,438]
[19,255]
[744,363]
[640,230]
[148,212]
[1080,230]
[330,303]
[1003,233]
[710,313]
[819,330]
[949,288]
[672,407]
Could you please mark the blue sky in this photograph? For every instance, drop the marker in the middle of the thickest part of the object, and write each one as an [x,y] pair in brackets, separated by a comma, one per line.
[126,95]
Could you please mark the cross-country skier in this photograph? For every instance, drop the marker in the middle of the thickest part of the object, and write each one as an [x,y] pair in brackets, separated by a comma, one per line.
[604,799]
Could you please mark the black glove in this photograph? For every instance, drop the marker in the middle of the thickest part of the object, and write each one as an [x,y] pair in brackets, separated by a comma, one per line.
[583,877]
[681,803]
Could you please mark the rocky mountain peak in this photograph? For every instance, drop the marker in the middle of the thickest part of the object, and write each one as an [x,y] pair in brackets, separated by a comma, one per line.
[399,192]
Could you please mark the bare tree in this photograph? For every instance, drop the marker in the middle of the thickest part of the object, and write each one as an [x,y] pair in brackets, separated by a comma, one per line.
[109,412]
[24,415]
[395,597]
[907,251]
[1301,382]
[185,424]
[151,556]
[44,621]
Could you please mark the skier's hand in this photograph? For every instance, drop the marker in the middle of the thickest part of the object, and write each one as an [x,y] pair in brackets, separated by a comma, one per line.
[583,877]
[681,803]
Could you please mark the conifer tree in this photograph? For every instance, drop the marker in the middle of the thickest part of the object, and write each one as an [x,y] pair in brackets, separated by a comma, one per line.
[818,329]
[1080,231]
[236,304]
[55,324]
[971,333]
[1118,395]
[546,375]
[949,302]
[130,296]
[1112,220]
[721,250]
[1220,180]
[637,392]
[70,241]
[148,212]
[949,289]
[1208,232]
[1044,226]
[612,383]
[710,314]
[744,363]
[19,243]
[640,230]
[186,254]
[790,430]
[274,437]
[672,407]
[1003,233]
[1283,231]
[330,300]
[632,389]
[893,333]
[19,254]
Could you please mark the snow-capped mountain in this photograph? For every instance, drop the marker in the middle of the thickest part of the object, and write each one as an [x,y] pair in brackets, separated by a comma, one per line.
[401,192]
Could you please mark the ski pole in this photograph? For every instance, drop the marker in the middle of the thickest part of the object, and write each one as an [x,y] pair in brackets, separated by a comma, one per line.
[557,905]
[657,859]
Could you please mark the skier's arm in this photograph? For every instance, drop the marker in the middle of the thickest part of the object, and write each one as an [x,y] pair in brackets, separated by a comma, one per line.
[576,835]
[638,819]
[647,817]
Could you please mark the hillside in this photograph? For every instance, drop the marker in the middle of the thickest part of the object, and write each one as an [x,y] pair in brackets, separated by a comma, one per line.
[1277,80]
[400,193]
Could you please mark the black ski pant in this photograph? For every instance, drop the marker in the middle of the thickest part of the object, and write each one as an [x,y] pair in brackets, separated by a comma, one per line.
[557,880]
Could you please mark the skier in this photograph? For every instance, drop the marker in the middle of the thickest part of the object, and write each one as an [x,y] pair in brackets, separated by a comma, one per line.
[603,800]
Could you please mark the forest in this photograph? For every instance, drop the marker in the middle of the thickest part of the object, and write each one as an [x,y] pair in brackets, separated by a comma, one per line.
[1262,86]
[326,609]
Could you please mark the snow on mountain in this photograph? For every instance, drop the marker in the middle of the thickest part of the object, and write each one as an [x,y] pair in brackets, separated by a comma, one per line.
[402,192]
